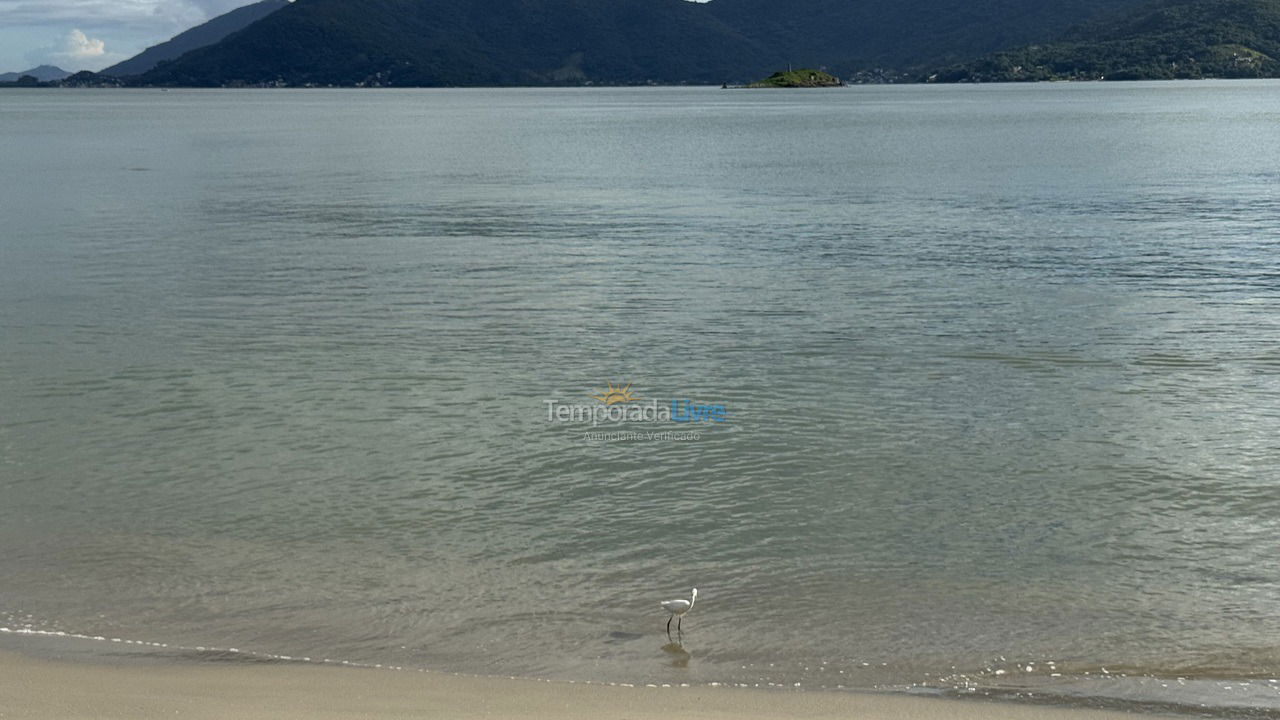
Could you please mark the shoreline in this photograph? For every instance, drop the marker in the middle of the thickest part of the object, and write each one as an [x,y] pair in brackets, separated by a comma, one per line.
[40,689]
[55,85]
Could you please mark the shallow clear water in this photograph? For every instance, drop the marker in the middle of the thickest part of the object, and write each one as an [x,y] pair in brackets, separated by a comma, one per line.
[1000,367]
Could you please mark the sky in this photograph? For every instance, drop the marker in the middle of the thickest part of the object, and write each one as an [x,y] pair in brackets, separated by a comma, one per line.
[92,34]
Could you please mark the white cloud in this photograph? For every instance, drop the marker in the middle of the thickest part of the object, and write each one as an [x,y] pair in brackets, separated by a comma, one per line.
[82,47]
[76,50]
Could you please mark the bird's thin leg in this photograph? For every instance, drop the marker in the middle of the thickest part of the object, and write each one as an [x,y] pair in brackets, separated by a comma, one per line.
[678,624]
[669,626]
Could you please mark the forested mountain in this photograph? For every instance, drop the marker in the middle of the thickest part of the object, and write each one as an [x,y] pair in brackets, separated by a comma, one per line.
[1167,39]
[559,42]
[470,42]
[197,37]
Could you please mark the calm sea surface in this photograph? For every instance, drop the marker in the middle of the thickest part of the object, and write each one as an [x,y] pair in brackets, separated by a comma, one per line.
[1000,370]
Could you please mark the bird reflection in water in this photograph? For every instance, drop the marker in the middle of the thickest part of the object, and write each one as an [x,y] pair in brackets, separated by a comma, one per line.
[679,656]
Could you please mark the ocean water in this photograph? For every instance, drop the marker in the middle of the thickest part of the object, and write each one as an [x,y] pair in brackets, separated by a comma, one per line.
[997,370]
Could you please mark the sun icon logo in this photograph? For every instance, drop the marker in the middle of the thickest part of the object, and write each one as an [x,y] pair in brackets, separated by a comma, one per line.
[615,395]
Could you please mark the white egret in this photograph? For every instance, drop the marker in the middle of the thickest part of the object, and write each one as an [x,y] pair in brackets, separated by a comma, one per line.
[678,608]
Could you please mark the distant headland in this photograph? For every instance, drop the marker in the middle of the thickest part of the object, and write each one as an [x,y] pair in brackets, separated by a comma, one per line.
[410,43]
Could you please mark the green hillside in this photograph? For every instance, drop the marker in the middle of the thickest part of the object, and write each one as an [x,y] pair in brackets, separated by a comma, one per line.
[1166,40]
[533,42]
[847,36]
[197,37]
[463,42]
[565,42]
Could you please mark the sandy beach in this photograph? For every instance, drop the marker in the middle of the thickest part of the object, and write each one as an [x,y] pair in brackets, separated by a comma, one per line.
[40,689]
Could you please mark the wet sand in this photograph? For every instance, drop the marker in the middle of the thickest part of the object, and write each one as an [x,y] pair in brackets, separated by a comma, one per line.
[43,689]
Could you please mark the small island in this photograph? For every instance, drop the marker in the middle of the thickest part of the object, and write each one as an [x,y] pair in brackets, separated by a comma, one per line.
[802,78]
